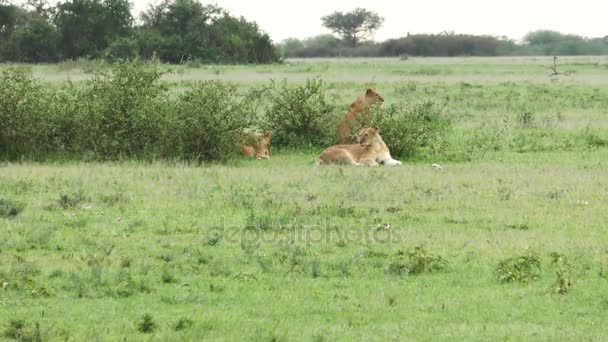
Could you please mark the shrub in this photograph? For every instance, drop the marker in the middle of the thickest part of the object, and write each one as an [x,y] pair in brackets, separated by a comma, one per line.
[563,269]
[300,115]
[9,209]
[124,110]
[407,129]
[416,261]
[146,324]
[22,331]
[183,324]
[523,269]
[21,101]
[72,201]
[210,118]
[122,48]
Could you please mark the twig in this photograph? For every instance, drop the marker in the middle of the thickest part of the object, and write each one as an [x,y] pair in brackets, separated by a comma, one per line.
[554,68]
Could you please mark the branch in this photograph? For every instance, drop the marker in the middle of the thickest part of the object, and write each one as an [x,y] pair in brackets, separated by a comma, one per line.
[554,69]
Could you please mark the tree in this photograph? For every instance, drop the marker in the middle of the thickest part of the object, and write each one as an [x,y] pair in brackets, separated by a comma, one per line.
[87,27]
[179,30]
[36,42]
[353,26]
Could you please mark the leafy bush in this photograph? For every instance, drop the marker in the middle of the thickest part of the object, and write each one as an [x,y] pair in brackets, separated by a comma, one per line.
[21,103]
[563,269]
[124,110]
[408,129]
[146,324]
[9,209]
[122,48]
[416,261]
[300,116]
[523,269]
[210,118]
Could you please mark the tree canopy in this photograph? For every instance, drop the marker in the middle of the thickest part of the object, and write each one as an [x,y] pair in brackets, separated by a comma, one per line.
[353,26]
[173,30]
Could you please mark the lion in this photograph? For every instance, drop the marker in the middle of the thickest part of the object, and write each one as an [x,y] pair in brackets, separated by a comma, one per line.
[350,122]
[257,145]
[370,150]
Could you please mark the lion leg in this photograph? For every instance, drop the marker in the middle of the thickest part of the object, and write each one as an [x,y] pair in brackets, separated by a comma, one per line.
[391,162]
[387,160]
[368,162]
[336,156]
[248,151]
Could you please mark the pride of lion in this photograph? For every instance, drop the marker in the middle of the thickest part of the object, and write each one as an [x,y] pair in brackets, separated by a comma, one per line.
[369,149]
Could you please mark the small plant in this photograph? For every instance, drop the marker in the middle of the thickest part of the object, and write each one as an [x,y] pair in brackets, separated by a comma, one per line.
[167,278]
[9,209]
[416,261]
[392,300]
[146,325]
[315,268]
[114,199]
[562,266]
[523,269]
[18,330]
[526,119]
[15,329]
[486,139]
[593,140]
[183,324]
[125,262]
[72,201]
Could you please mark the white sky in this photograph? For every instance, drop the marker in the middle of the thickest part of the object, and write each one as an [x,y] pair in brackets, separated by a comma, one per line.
[513,18]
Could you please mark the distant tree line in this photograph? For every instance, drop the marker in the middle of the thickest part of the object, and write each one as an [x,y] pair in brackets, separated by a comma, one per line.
[542,42]
[174,30]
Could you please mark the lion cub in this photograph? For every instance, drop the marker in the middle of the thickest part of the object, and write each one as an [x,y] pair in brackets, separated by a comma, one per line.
[370,150]
[257,145]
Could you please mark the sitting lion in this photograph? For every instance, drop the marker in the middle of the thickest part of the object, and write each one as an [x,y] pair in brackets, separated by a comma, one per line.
[256,145]
[370,150]
[351,122]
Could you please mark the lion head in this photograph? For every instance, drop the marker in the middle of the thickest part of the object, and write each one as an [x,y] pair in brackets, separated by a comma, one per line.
[372,97]
[263,146]
[364,101]
[368,137]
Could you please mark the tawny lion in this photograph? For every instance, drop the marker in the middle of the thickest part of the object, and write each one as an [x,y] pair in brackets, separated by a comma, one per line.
[257,145]
[370,150]
[351,121]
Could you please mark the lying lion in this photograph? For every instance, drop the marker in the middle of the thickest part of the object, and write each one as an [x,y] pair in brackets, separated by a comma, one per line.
[370,150]
[351,121]
[256,145]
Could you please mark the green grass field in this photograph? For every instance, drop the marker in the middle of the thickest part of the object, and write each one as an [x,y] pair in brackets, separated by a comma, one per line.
[281,250]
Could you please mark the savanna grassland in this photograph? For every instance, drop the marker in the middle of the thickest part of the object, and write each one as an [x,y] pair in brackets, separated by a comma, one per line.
[507,240]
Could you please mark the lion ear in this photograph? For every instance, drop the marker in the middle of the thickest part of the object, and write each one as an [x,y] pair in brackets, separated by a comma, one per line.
[369,91]
[267,134]
[377,130]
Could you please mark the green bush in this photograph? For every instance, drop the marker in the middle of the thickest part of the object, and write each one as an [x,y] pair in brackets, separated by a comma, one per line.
[209,119]
[523,269]
[409,129]
[415,261]
[122,48]
[22,102]
[301,116]
[124,109]
[9,209]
